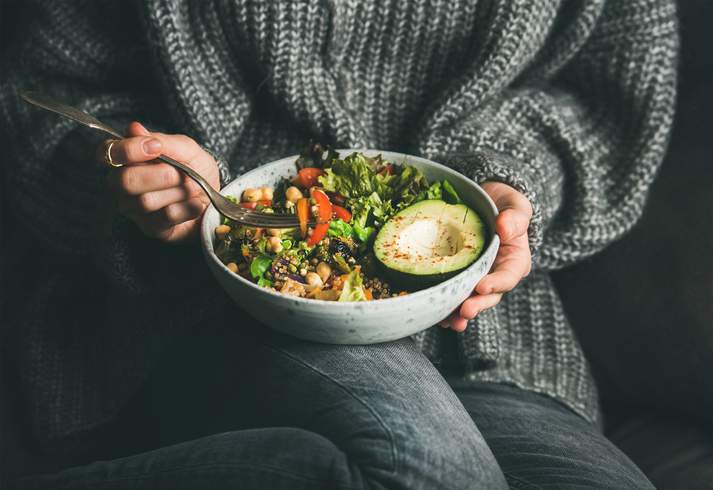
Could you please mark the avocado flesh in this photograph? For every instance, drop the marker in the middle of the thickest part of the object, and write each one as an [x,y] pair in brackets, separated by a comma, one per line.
[429,242]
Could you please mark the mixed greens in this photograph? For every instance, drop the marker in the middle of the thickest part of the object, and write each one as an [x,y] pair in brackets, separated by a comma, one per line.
[350,198]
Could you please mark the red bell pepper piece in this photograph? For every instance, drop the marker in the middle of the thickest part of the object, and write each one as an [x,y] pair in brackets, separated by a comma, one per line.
[341,213]
[324,215]
[307,177]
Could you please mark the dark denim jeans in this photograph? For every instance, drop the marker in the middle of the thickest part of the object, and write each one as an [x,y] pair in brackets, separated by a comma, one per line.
[261,411]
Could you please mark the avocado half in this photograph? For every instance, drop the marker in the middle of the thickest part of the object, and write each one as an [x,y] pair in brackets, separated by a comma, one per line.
[428,242]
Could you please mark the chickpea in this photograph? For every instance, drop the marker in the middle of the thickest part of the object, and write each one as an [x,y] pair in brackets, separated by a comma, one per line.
[266,193]
[313,279]
[275,244]
[324,271]
[222,230]
[274,232]
[293,194]
[232,267]
[293,288]
[251,194]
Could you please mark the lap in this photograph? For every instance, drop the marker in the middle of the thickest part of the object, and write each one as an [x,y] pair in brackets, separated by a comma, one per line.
[540,443]
[382,412]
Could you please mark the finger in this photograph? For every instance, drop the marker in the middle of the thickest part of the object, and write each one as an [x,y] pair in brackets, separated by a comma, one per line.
[136,180]
[459,324]
[149,202]
[475,304]
[137,129]
[446,322]
[174,214]
[506,275]
[512,223]
[136,149]
[500,281]
[506,197]
[454,321]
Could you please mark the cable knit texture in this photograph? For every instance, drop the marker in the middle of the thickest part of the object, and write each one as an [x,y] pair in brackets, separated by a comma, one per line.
[569,102]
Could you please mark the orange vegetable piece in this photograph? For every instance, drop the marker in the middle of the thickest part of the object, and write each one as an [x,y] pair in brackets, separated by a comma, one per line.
[303,214]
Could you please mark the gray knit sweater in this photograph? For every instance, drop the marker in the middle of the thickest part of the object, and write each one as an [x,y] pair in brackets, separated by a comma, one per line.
[569,102]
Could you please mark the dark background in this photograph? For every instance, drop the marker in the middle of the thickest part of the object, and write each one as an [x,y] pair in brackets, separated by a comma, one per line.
[643,308]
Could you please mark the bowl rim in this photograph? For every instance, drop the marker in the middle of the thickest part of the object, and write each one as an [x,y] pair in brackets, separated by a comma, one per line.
[209,252]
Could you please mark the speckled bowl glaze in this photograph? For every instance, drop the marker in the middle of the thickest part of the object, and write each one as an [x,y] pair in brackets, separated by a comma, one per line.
[360,322]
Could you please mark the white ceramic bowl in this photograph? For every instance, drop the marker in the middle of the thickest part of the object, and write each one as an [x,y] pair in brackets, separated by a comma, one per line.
[359,322]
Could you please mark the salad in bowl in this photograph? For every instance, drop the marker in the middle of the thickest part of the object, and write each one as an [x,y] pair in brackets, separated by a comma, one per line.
[383,230]
[404,231]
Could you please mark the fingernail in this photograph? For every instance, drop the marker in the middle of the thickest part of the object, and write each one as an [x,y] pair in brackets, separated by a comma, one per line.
[152,146]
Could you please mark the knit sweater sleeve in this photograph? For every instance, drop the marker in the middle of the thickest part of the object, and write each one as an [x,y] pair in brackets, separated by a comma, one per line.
[581,130]
[71,52]
[100,287]
[95,57]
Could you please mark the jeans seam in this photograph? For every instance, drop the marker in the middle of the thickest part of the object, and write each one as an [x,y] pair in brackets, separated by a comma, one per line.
[382,424]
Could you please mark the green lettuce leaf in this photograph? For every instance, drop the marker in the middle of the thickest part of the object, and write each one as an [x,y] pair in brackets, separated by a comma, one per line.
[370,211]
[408,185]
[340,228]
[259,266]
[363,233]
[449,194]
[266,283]
[355,176]
[353,289]
[434,191]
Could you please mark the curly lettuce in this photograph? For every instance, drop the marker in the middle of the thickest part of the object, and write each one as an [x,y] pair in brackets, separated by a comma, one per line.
[374,193]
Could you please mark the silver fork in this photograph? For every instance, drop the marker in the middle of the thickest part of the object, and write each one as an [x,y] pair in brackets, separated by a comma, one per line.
[225,206]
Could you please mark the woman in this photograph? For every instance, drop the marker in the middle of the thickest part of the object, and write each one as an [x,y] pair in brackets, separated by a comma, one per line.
[561,111]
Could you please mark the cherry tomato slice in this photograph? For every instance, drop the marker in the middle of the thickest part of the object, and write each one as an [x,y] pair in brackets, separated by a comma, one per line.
[324,207]
[341,213]
[324,215]
[318,232]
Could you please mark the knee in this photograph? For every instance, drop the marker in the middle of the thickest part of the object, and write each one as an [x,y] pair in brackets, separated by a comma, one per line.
[424,449]
[446,452]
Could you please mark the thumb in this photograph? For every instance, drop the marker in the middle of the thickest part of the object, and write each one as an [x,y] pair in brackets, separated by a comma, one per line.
[511,223]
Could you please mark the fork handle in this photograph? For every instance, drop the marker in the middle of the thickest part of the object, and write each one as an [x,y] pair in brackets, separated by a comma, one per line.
[49,104]
[213,195]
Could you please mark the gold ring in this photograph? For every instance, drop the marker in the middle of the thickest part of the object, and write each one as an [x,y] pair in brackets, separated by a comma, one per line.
[107,155]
